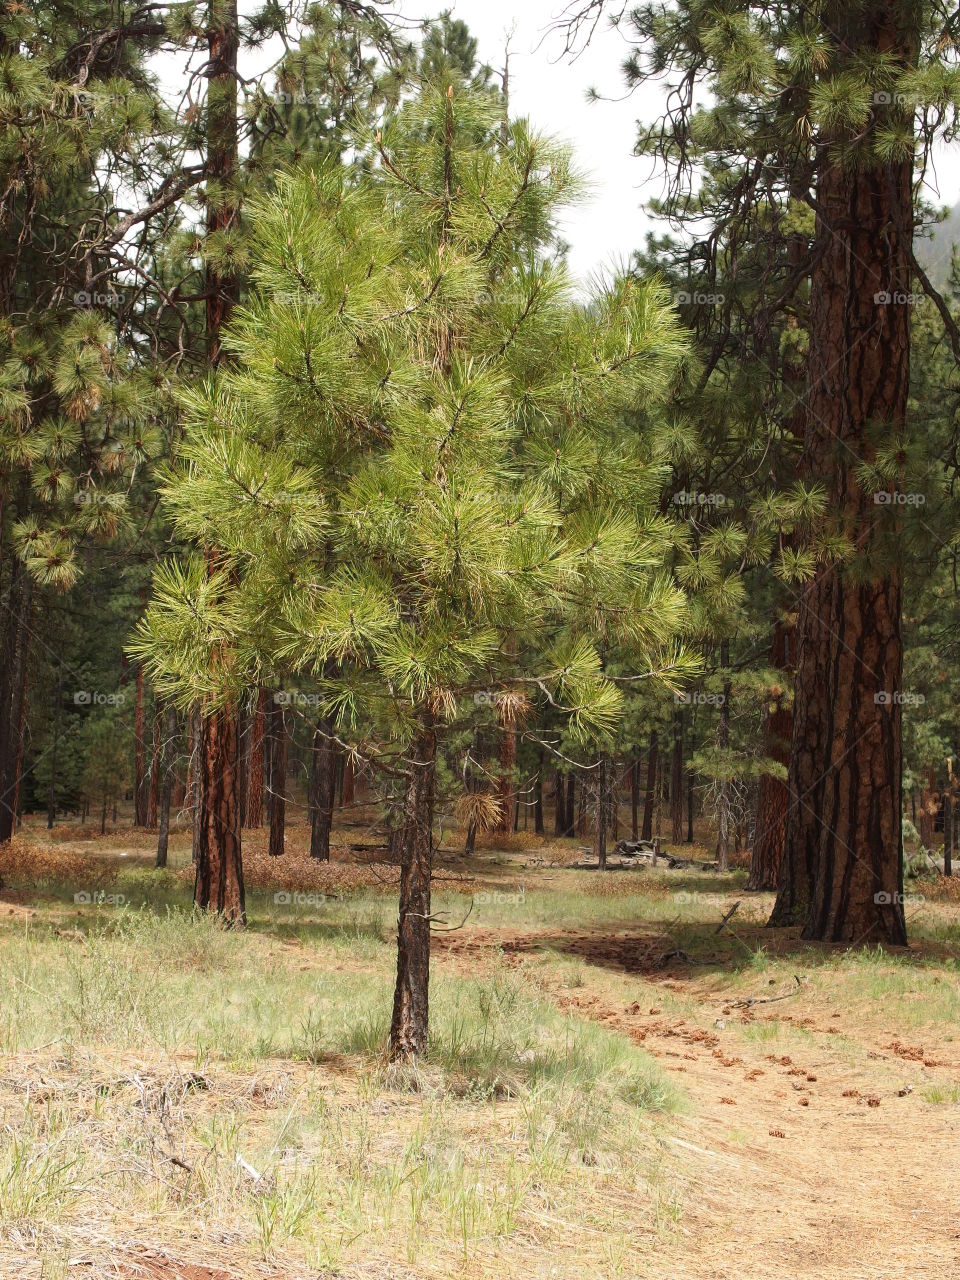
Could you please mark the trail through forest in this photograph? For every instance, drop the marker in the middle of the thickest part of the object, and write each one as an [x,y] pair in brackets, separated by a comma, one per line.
[827,1161]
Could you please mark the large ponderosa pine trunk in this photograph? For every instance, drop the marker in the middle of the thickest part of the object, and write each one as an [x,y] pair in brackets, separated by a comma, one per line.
[218,887]
[842,874]
[217,845]
[408,1029]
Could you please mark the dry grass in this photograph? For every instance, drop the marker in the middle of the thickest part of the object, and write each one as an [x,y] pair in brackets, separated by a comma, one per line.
[179,1100]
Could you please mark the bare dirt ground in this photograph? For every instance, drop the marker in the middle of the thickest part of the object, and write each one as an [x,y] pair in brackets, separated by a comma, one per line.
[826,1161]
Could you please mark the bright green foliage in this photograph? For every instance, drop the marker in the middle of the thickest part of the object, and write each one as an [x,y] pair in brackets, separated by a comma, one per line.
[419,467]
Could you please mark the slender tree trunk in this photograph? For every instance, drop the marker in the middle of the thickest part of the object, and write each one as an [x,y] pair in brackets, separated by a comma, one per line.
[600,812]
[928,810]
[948,829]
[103,817]
[571,804]
[652,761]
[139,755]
[349,787]
[843,864]
[253,817]
[169,756]
[52,791]
[635,799]
[508,761]
[321,817]
[278,779]
[559,804]
[153,797]
[194,771]
[408,1029]
[13,686]
[613,798]
[676,777]
[538,797]
[243,737]
[690,794]
[724,802]
[219,879]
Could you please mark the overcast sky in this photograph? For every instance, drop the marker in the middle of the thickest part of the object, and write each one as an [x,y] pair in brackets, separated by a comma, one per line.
[552,90]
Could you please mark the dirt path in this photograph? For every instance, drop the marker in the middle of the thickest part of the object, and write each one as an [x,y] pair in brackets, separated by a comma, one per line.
[823,1162]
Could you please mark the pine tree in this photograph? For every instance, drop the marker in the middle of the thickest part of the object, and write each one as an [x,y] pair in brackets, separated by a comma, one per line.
[405,472]
[833,106]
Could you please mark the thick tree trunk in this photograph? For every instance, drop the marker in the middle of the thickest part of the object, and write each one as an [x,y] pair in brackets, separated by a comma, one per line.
[648,798]
[676,777]
[169,756]
[13,686]
[771,824]
[253,814]
[218,887]
[321,815]
[843,859]
[408,1029]
[278,779]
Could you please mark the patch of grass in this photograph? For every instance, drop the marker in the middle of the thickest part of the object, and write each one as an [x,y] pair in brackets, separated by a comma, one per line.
[938,1094]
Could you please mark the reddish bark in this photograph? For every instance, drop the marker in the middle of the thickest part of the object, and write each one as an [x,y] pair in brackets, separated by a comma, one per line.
[409,1026]
[218,887]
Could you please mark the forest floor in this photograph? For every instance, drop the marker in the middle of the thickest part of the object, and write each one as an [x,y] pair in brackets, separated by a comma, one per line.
[616,1086]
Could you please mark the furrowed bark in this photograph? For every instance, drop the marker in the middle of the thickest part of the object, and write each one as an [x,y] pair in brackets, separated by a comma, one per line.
[218,887]
[409,1027]
[844,863]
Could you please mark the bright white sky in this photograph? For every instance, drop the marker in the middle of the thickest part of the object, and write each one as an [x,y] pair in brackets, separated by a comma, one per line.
[552,91]
[550,88]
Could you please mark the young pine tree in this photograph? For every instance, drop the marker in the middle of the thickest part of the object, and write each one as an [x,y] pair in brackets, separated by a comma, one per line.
[402,467]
